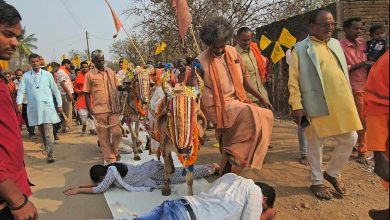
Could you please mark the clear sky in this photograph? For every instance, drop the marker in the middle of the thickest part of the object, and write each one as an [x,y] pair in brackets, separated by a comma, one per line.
[60,25]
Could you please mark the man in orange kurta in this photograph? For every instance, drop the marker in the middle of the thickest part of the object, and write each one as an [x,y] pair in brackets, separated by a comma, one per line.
[243,129]
[376,101]
[81,104]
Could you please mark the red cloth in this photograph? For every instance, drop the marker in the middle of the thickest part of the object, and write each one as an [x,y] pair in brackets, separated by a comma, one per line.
[78,88]
[376,96]
[11,145]
[354,55]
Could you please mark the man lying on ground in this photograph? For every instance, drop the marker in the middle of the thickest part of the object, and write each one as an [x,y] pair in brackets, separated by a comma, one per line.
[135,178]
[230,197]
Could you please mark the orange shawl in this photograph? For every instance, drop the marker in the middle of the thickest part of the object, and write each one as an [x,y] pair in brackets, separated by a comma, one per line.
[259,60]
[376,95]
[64,69]
[219,100]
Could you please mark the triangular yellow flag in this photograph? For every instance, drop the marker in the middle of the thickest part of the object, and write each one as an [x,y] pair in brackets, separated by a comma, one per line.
[76,60]
[62,57]
[49,68]
[286,39]
[277,53]
[3,64]
[125,65]
[160,48]
[264,42]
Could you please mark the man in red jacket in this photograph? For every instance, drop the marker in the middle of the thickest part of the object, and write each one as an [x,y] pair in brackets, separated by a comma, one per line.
[14,186]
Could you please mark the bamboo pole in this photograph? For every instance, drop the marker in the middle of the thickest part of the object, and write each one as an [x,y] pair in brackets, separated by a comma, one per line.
[194,38]
[135,47]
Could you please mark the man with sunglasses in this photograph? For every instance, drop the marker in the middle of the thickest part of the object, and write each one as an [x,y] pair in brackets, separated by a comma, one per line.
[320,92]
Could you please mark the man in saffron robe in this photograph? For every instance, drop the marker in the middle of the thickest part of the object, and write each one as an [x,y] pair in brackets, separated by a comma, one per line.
[376,99]
[243,129]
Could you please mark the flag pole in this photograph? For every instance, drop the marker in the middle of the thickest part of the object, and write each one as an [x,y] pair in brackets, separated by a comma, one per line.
[194,38]
[135,47]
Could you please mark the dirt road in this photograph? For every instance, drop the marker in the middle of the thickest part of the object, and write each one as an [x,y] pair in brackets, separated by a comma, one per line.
[76,153]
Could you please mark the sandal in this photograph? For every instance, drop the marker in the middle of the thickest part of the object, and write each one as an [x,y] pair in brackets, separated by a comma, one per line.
[321,191]
[338,184]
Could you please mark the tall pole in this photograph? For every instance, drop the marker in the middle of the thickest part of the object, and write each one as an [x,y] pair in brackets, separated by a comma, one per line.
[89,54]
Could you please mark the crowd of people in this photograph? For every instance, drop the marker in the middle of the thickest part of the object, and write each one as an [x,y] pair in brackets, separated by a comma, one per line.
[338,89]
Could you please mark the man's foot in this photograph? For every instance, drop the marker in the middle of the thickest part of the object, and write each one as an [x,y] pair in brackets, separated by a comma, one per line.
[362,158]
[303,160]
[93,132]
[379,214]
[84,128]
[118,157]
[56,137]
[338,184]
[44,152]
[50,159]
[381,165]
[321,191]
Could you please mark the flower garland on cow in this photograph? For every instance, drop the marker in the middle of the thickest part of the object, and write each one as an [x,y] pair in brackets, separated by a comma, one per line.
[140,90]
[182,110]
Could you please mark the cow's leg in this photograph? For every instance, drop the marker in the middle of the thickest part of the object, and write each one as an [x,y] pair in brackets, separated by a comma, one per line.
[189,181]
[136,131]
[168,169]
[134,143]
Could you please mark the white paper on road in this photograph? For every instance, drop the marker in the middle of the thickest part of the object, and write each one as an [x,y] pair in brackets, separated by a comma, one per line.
[127,205]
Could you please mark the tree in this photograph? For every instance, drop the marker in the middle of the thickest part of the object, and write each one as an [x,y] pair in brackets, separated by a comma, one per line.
[158,22]
[26,45]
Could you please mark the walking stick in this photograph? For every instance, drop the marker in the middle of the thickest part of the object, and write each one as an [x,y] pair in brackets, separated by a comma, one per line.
[135,47]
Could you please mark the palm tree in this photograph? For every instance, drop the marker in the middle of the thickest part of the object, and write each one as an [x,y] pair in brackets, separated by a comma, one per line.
[26,45]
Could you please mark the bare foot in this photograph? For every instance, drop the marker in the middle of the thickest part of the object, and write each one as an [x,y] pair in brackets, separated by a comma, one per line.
[303,160]
[44,152]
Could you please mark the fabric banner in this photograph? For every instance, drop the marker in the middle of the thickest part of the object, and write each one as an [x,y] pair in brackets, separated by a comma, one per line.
[160,48]
[277,53]
[183,16]
[286,39]
[62,57]
[3,64]
[118,23]
[264,42]
[125,65]
[76,60]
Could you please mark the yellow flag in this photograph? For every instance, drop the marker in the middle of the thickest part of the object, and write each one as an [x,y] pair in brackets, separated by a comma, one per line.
[62,57]
[264,42]
[49,68]
[286,39]
[160,48]
[76,60]
[3,64]
[125,65]
[277,53]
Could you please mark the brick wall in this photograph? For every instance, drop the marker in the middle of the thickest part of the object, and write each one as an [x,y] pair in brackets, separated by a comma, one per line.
[371,11]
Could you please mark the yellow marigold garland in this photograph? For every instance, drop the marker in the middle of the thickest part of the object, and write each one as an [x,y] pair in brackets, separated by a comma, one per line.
[195,149]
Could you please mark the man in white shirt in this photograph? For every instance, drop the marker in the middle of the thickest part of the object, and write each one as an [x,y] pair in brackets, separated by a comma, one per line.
[65,86]
[230,197]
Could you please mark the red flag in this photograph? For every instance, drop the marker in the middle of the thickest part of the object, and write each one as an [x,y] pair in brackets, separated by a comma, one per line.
[118,23]
[183,16]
